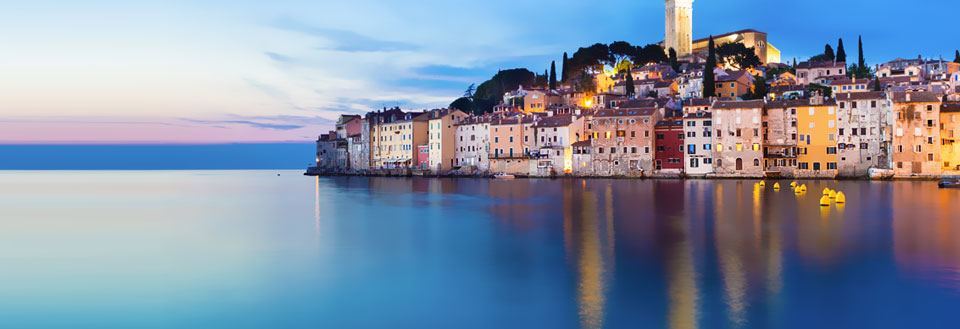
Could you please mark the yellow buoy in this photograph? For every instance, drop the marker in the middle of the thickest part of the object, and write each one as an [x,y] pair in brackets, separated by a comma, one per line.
[824,201]
[762,184]
[798,191]
[833,194]
[826,191]
[841,198]
[803,188]
[776,186]
[793,184]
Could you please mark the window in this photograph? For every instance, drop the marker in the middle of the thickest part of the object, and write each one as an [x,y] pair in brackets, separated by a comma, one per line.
[832,150]
[831,166]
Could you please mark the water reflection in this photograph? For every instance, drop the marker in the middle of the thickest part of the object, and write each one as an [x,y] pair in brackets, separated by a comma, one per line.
[690,254]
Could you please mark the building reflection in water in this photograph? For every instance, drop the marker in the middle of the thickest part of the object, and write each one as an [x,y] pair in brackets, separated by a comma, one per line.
[589,246]
[925,231]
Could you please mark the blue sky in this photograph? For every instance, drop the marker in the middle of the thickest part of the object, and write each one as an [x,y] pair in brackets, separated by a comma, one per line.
[258,71]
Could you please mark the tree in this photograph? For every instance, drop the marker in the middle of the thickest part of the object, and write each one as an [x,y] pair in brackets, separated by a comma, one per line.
[827,55]
[470,90]
[737,55]
[709,80]
[631,88]
[464,104]
[553,75]
[674,63]
[862,63]
[563,70]
[490,92]
[621,50]
[824,91]
[585,83]
[649,54]
[956,58]
[876,84]
[759,90]
[591,58]
[841,53]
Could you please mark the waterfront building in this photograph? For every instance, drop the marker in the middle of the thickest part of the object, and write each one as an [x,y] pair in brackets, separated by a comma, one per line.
[347,127]
[622,139]
[669,146]
[583,159]
[698,131]
[817,72]
[555,135]
[950,134]
[916,137]
[359,146]
[511,140]
[863,135]
[737,125]
[817,145]
[441,135]
[733,84]
[780,136]
[473,144]
[326,160]
[395,138]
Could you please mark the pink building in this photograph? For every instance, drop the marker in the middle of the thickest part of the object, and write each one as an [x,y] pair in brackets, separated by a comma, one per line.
[423,157]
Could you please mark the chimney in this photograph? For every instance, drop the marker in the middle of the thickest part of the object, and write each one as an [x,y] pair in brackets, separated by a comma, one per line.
[908,97]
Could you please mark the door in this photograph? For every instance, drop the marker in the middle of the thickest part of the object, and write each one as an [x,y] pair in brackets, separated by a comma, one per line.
[739,164]
[816,166]
[916,167]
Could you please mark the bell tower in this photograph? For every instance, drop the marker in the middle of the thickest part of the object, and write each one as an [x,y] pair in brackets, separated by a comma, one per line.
[679,29]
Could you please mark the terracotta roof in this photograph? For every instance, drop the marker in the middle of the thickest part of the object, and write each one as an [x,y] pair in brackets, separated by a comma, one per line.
[555,121]
[731,76]
[861,95]
[916,97]
[848,81]
[814,65]
[698,102]
[625,112]
[789,88]
[585,143]
[639,103]
[787,103]
[754,104]
[950,107]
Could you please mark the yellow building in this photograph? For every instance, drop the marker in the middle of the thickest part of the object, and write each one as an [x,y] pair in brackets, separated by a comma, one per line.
[817,143]
[749,38]
[916,135]
[949,135]
[395,136]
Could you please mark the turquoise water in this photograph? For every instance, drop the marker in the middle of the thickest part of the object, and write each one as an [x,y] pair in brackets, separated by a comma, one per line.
[250,249]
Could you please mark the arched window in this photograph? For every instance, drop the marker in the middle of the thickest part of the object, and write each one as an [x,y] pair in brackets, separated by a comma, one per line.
[739,164]
[756,162]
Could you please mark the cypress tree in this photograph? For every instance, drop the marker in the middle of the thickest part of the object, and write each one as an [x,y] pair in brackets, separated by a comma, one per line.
[631,88]
[956,59]
[861,63]
[841,53]
[553,75]
[828,53]
[563,70]
[674,62]
[709,81]
[876,84]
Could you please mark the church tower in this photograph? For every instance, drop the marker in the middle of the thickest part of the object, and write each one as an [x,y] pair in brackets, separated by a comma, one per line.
[679,30]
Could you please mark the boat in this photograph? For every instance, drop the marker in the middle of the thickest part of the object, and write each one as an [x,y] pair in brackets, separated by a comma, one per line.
[949,182]
[504,176]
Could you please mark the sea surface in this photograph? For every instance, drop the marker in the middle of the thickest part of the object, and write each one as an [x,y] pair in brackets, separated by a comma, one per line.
[275,249]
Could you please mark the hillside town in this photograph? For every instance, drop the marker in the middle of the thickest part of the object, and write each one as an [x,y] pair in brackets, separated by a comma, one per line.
[692,113]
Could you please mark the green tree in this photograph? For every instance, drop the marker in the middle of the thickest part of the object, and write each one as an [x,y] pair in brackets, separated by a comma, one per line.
[759,90]
[649,54]
[827,55]
[490,92]
[631,88]
[585,83]
[956,58]
[674,62]
[841,53]
[709,80]
[621,50]
[861,62]
[553,75]
[563,70]
[464,104]
[824,91]
[737,55]
[876,84]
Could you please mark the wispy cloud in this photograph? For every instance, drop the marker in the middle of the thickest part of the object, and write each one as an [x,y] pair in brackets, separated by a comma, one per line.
[344,40]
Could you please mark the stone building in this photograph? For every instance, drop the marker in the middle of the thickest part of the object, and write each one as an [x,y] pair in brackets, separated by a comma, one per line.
[737,137]
[512,139]
[622,141]
[679,27]
[780,136]
[916,136]
[819,72]
[863,135]
[555,135]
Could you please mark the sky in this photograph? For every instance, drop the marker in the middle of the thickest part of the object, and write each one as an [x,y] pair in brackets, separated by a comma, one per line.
[182,72]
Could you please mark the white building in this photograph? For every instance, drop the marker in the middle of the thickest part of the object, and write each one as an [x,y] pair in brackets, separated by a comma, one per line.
[555,136]
[698,153]
[473,144]
[864,134]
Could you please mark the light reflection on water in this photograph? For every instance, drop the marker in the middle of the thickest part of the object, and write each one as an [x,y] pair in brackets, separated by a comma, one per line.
[256,250]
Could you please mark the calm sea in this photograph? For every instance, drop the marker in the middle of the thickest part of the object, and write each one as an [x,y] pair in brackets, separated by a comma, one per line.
[251,249]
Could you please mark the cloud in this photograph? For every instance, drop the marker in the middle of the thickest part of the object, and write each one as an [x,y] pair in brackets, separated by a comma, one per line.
[343,40]
[278,57]
[274,122]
